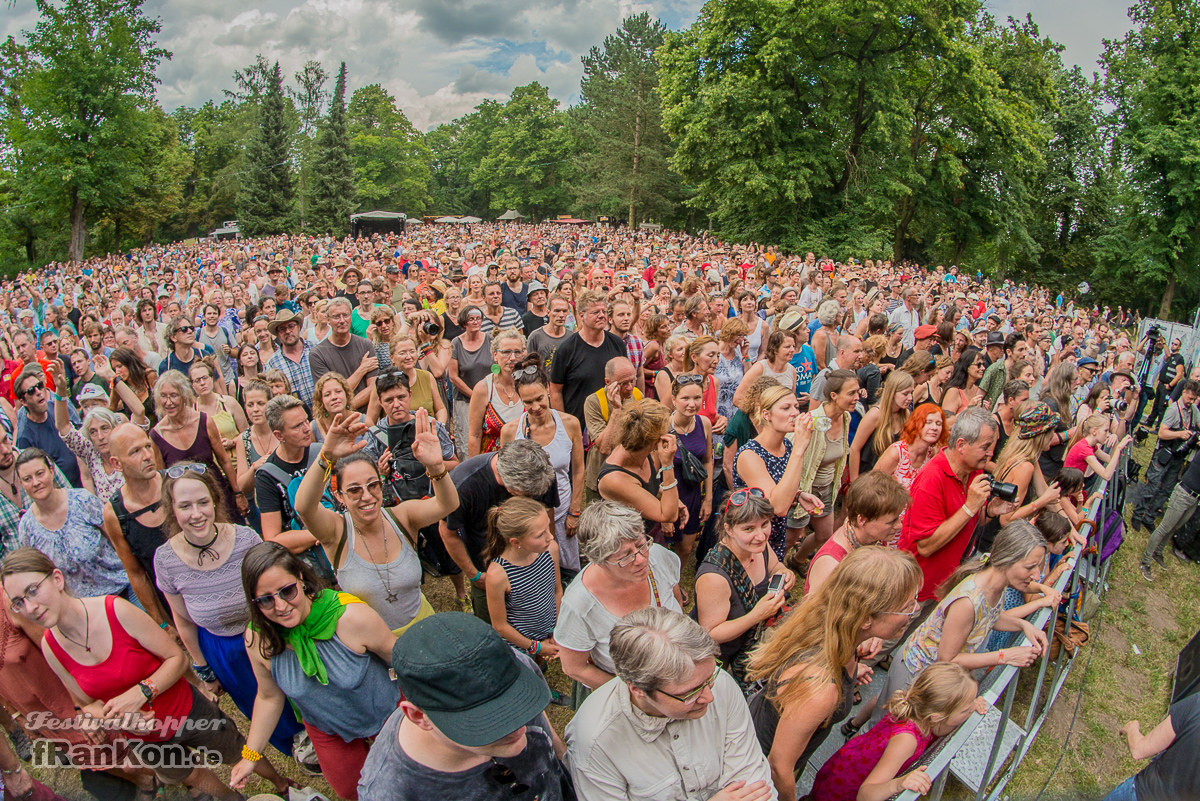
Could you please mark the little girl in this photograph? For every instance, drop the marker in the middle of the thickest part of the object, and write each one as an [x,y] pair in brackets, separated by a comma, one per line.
[872,767]
[524,589]
[1083,452]
[1073,498]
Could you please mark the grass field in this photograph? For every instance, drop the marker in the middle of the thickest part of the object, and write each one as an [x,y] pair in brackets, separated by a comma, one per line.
[1119,684]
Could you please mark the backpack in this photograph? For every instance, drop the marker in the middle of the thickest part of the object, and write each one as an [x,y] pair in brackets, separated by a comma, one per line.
[1111,535]
[287,486]
[407,480]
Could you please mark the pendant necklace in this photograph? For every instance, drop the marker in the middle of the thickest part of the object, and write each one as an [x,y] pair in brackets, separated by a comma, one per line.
[87,631]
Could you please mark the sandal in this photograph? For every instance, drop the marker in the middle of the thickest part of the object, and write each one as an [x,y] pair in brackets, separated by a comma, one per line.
[148,793]
[857,698]
[848,729]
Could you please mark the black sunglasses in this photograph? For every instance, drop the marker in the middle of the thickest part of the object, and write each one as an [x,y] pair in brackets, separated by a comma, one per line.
[38,387]
[503,776]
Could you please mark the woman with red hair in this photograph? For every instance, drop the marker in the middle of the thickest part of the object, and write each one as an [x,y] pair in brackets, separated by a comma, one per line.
[923,436]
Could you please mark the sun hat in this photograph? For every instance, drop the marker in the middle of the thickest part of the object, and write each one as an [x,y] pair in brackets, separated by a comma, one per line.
[282,317]
[457,670]
[791,319]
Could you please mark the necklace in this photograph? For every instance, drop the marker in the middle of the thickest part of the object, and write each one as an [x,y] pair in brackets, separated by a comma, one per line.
[854,543]
[12,483]
[391,595]
[511,395]
[205,549]
[87,630]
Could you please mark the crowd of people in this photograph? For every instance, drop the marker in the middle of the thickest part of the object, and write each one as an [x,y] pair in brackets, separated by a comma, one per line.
[250,460]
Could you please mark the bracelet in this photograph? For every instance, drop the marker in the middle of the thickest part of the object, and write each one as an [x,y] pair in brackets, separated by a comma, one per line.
[205,673]
[163,625]
[14,771]
[572,514]
[670,486]
[148,688]
[1001,655]
[321,457]
[439,476]
[477,577]
[968,511]
[535,648]
[250,755]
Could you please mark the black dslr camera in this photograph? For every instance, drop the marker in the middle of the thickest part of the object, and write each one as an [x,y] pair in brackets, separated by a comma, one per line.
[1003,490]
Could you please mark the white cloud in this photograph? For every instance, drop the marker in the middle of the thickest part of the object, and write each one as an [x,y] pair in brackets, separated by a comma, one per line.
[440,58]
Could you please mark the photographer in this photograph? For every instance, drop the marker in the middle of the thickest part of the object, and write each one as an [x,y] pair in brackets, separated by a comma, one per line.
[1180,507]
[1176,438]
[1169,375]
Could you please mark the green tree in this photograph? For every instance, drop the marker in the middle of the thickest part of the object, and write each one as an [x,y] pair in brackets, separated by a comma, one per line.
[527,155]
[87,75]
[309,98]
[332,199]
[390,157]
[1152,75]
[457,149]
[267,200]
[623,149]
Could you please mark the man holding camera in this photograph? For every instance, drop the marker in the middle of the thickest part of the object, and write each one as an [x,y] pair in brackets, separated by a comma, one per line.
[1171,373]
[1176,438]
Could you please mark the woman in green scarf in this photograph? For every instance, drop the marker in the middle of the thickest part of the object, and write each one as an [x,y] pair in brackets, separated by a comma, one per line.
[339,685]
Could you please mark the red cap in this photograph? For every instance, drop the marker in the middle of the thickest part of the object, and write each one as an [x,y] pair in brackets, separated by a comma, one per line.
[925,331]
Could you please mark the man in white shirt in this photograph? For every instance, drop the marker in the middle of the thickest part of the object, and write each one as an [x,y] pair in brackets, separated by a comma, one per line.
[907,316]
[669,705]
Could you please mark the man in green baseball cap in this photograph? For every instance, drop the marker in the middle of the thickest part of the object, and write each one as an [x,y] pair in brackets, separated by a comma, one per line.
[470,725]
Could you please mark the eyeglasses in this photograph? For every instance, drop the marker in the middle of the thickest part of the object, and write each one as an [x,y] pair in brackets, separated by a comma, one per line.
[693,693]
[640,550]
[739,497]
[355,491]
[503,776]
[18,603]
[510,353]
[916,610]
[180,470]
[287,594]
[36,388]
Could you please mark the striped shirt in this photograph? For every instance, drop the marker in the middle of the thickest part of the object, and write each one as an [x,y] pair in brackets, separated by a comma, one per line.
[530,603]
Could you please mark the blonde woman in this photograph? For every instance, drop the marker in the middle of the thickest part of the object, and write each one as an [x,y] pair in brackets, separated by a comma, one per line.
[331,397]
[825,459]
[809,663]
[882,423]
[675,355]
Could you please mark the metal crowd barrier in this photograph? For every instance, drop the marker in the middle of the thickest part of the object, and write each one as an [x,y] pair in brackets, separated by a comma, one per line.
[978,751]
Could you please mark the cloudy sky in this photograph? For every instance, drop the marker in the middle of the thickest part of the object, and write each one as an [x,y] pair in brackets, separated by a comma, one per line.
[440,58]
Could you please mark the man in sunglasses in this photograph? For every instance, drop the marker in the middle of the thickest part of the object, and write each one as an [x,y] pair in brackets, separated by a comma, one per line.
[181,336]
[649,733]
[471,724]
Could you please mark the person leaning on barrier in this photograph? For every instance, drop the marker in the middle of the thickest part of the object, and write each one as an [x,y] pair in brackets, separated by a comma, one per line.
[670,705]
[1176,439]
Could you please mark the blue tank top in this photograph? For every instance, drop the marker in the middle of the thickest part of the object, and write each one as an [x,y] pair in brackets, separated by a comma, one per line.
[357,700]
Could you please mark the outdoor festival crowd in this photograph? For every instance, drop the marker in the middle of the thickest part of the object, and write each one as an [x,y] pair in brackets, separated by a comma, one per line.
[248,462]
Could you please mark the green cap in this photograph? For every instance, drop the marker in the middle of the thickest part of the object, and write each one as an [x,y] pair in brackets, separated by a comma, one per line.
[470,682]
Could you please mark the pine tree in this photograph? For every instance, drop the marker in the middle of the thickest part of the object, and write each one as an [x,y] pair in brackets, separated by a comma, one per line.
[267,201]
[332,198]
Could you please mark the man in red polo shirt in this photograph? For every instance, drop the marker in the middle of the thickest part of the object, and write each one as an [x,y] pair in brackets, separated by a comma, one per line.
[947,496]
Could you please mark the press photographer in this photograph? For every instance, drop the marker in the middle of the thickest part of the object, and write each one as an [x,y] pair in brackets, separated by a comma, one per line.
[1177,437]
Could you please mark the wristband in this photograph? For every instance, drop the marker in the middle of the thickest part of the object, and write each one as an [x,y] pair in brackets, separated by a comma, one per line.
[14,771]
[163,625]
[439,476]
[1000,654]
[572,514]
[535,647]
[477,577]
[148,689]
[968,511]
[205,673]
[670,486]
[250,755]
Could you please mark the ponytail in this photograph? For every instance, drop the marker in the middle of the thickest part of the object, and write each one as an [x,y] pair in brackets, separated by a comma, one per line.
[935,694]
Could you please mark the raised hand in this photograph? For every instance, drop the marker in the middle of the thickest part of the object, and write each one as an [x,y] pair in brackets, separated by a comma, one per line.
[340,439]
[426,447]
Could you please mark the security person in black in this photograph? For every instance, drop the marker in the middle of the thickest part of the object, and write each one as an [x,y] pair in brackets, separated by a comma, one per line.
[1180,507]
[1173,371]
[1176,439]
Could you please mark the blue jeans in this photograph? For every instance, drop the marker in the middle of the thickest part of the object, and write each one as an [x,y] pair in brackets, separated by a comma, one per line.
[1123,792]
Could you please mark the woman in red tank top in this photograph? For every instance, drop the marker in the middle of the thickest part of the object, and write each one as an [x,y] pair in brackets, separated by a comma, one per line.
[121,668]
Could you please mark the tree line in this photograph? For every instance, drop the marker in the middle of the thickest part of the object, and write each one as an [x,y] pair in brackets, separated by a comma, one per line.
[924,130]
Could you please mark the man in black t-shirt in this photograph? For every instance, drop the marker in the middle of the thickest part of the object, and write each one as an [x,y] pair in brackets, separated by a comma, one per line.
[1173,772]
[578,367]
[521,467]
[272,475]
[1172,373]
[537,314]
[1180,507]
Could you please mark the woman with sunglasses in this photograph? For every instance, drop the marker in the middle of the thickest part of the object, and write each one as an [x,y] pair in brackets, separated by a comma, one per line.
[141,690]
[625,571]
[809,663]
[732,601]
[316,325]
[693,435]
[962,390]
[371,548]
[382,331]
[184,434]
[470,361]
[198,570]
[326,652]
[561,436]
[494,400]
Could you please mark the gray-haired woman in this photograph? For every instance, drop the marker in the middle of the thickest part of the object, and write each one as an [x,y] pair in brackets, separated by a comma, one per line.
[626,572]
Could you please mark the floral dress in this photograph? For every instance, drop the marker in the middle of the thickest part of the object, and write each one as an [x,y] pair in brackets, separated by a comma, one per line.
[729,374]
[79,548]
[775,467]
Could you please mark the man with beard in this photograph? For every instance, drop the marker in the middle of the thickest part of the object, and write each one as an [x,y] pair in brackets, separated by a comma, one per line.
[292,356]
[345,354]
[133,517]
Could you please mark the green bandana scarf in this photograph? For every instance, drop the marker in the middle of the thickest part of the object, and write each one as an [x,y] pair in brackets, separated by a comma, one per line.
[327,609]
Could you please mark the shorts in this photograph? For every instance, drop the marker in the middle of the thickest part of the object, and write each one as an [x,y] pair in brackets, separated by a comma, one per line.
[826,495]
[206,738]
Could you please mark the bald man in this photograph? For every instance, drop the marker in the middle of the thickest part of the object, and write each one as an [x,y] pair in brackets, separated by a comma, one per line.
[850,356]
[133,519]
[620,384]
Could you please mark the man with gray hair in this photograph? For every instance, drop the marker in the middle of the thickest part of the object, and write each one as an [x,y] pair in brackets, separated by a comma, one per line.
[670,705]
[521,467]
[947,496]
[350,356]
